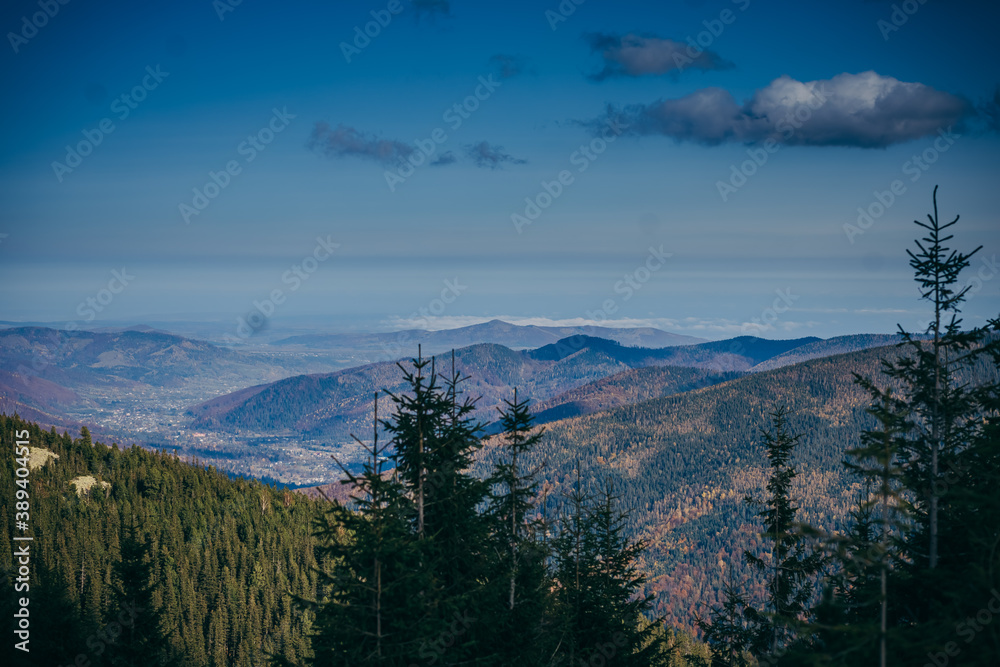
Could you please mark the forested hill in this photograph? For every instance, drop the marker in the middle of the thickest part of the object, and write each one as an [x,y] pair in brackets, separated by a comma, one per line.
[739,353]
[209,560]
[828,347]
[685,462]
[632,386]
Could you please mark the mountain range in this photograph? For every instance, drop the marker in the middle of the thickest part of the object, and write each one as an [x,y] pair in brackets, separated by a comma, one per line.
[337,404]
[392,345]
[575,375]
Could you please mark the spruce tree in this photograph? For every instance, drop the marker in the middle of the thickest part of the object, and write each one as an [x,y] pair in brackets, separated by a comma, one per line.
[877,522]
[435,439]
[600,610]
[970,561]
[133,610]
[58,632]
[518,574]
[409,556]
[767,630]
[619,583]
[727,630]
[921,557]
[572,569]
[851,623]
[940,405]
[790,571]
[367,619]
[943,452]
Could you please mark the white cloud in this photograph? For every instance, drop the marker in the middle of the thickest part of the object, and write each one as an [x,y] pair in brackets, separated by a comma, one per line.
[866,110]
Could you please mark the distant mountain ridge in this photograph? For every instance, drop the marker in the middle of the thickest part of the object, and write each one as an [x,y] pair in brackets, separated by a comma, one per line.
[734,354]
[401,343]
[825,348]
[339,403]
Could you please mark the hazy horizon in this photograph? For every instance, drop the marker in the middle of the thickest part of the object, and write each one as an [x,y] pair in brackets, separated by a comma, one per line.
[221,331]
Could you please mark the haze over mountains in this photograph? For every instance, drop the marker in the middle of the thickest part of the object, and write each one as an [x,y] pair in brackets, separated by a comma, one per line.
[574,376]
[61,377]
[335,404]
[272,410]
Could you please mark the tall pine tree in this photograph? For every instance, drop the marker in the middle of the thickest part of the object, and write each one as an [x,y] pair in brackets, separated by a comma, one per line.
[600,609]
[789,571]
[921,561]
[943,453]
[367,619]
[519,580]
[133,609]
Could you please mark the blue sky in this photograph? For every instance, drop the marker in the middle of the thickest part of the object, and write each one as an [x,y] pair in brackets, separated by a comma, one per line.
[869,99]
